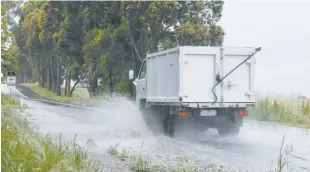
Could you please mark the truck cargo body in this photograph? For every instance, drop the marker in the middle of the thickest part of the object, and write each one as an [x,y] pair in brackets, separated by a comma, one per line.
[198,80]
[187,74]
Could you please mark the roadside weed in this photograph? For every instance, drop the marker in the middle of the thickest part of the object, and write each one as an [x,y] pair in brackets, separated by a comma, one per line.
[24,150]
[295,112]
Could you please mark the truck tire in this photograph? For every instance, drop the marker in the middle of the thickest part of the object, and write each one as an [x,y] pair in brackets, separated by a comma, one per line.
[229,130]
[169,124]
[152,119]
[146,112]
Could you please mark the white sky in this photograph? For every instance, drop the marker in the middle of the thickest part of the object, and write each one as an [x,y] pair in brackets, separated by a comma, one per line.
[282,29]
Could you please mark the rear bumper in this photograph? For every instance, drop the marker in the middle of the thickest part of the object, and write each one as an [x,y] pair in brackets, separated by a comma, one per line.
[218,104]
[217,121]
[222,118]
[209,122]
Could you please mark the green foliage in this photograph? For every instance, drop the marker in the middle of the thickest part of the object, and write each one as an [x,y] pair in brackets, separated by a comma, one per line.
[24,150]
[5,100]
[84,40]
[92,47]
[291,112]
[123,83]
[4,31]
[8,56]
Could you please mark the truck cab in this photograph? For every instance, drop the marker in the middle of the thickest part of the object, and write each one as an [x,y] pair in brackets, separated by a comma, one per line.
[140,83]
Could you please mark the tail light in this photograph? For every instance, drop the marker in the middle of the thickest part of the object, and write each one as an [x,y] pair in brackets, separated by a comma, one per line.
[183,114]
[243,113]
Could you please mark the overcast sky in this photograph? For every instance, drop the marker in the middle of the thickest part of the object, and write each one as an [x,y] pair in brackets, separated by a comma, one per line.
[282,29]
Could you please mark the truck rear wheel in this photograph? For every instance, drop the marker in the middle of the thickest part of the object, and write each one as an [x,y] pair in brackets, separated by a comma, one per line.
[150,118]
[169,124]
[229,130]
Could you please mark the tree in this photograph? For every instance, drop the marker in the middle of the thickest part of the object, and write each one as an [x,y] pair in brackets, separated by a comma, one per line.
[87,40]
[8,54]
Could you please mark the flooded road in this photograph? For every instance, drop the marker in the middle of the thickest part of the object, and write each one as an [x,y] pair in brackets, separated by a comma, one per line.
[256,148]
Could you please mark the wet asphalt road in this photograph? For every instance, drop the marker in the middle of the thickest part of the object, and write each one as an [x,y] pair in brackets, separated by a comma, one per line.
[255,149]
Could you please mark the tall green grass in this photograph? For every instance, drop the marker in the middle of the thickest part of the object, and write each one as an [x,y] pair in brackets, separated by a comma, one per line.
[24,150]
[295,112]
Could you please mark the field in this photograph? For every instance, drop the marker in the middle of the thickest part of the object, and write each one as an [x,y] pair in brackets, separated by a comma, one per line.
[78,93]
[290,112]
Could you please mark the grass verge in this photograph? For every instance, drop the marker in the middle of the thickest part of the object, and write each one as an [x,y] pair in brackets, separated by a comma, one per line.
[79,93]
[24,150]
[294,113]
[143,163]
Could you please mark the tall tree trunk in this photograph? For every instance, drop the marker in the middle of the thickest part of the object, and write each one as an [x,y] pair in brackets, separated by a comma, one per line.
[48,73]
[74,87]
[90,74]
[154,47]
[40,72]
[68,83]
[137,67]
[33,77]
[48,77]
[53,75]
[111,82]
[58,90]
[68,78]
[91,77]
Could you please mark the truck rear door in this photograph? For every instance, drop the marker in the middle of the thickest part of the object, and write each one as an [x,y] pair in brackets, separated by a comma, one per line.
[198,67]
[238,86]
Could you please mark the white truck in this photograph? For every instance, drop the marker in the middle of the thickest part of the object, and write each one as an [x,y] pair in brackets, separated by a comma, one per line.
[209,86]
[11,78]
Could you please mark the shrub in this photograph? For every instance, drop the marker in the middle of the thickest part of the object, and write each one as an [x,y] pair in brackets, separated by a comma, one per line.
[292,112]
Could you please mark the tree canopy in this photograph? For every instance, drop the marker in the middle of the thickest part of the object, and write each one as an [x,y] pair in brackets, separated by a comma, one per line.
[86,40]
